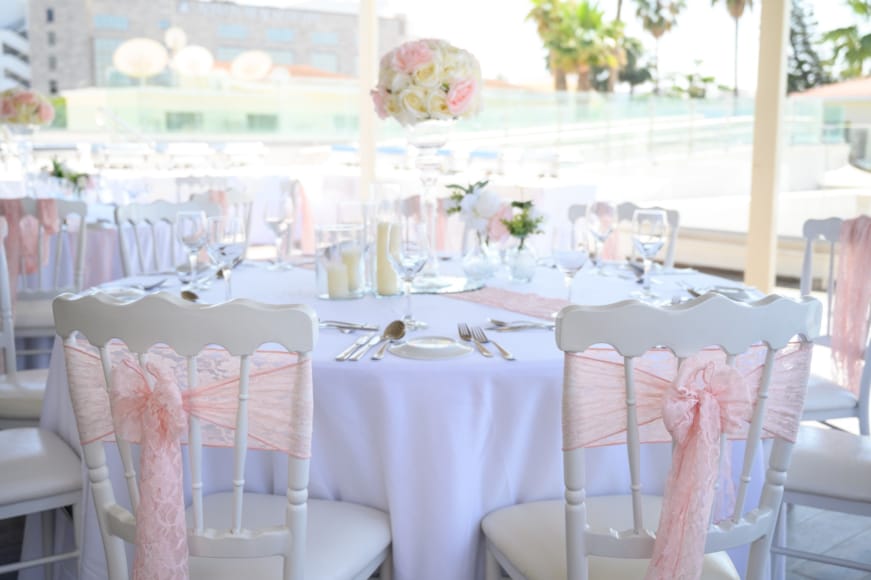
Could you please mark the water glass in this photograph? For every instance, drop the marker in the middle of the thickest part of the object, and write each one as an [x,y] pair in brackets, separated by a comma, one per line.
[569,250]
[190,228]
[649,230]
[279,213]
[409,251]
[225,244]
[601,220]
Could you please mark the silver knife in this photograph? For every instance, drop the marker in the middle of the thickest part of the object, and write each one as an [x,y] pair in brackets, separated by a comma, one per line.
[365,348]
[348,325]
[357,344]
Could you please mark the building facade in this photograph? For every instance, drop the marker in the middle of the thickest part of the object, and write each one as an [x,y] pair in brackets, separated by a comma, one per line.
[72,41]
[14,46]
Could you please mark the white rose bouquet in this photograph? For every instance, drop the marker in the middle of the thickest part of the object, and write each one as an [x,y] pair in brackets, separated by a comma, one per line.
[427,79]
[476,205]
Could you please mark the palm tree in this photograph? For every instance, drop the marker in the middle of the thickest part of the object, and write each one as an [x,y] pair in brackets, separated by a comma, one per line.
[547,14]
[634,73]
[586,33]
[658,17]
[736,11]
[853,48]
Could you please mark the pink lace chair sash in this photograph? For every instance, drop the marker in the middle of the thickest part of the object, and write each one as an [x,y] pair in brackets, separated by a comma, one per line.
[520,302]
[151,407]
[693,408]
[852,301]
[22,243]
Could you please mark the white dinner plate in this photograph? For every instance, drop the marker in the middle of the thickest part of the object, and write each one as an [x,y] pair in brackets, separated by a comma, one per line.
[430,348]
[121,293]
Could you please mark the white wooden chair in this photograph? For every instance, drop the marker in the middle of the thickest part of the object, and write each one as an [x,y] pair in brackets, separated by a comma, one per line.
[826,399]
[150,230]
[237,534]
[21,392]
[830,470]
[67,271]
[608,536]
[235,202]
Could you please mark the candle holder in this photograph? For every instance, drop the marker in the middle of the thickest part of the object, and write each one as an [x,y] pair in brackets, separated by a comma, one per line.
[340,264]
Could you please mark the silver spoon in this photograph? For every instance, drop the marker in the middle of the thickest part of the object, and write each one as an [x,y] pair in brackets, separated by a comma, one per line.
[392,332]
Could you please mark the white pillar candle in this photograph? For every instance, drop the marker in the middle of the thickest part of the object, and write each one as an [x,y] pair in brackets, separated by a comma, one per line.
[351,259]
[337,280]
[388,283]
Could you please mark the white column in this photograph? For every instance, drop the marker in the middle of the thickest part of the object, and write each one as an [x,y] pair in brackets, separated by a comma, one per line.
[761,260]
[368,66]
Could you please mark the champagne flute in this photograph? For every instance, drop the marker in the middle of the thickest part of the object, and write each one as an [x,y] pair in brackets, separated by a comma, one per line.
[279,216]
[649,229]
[601,220]
[225,244]
[569,251]
[191,231]
[408,253]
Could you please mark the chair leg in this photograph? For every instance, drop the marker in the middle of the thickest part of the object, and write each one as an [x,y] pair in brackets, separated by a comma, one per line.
[48,539]
[492,569]
[778,561]
[385,572]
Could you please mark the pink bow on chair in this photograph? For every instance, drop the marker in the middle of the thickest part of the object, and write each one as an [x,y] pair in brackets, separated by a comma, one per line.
[157,418]
[706,400]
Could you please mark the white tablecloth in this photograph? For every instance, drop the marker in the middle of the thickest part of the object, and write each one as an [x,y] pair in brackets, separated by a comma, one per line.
[437,444]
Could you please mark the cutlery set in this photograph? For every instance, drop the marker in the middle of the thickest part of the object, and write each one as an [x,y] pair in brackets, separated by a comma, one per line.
[393,332]
[475,335]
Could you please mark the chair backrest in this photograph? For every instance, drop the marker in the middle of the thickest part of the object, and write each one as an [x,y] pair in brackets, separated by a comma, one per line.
[189,336]
[151,226]
[633,376]
[7,333]
[625,211]
[827,231]
[233,202]
[67,270]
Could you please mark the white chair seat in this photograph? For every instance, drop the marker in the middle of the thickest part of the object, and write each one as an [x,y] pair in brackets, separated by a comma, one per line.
[36,464]
[342,539]
[32,314]
[532,537]
[831,463]
[823,394]
[23,400]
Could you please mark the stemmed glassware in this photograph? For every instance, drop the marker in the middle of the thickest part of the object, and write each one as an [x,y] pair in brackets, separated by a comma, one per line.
[649,229]
[190,228]
[279,216]
[225,244]
[601,220]
[408,252]
[569,250]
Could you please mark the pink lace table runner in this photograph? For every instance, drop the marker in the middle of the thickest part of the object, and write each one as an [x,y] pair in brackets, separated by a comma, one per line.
[519,302]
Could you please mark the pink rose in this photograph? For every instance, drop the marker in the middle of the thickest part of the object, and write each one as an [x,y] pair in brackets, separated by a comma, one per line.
[379,97]
[496,230]
[46,112]
[26,98]
[7,108]
[461,95]
[411,56]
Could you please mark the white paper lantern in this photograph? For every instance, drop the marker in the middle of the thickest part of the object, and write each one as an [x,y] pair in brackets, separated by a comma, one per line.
[175,38]
[252,65]
[140,58]
[194,61]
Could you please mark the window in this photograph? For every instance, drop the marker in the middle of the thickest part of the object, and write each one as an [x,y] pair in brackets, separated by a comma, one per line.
[232,31]
[279,34]
[262,122]
[325,61]
[226,54]
[110,22]
[52,87]
[105,74]
[52,63]
[282,56]
[52,38]
[49,14]
[183,121]
[325,38]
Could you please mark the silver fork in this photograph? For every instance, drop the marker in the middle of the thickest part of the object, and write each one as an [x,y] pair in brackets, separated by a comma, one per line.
[481,337]
[466,334]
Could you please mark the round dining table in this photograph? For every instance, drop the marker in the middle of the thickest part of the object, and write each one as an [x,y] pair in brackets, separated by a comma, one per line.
[436,443]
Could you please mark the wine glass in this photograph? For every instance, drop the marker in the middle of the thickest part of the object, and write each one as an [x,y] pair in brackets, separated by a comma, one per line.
[601,220]
[190,228]
[649,228]
[569,251]
[278,214]
[408,252]
[225,244]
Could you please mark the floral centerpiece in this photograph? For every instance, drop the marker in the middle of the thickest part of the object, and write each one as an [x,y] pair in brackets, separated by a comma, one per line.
[525,221]
[482,210]
[427,79]
[25,107]
[78,181]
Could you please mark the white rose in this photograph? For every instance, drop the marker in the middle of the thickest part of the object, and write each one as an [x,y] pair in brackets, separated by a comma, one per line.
[428,75]
[399,82]
[412,101]
[488,204]
[437,104]
[467,205]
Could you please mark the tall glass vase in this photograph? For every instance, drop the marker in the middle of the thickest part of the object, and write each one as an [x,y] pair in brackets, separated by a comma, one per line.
[427,137]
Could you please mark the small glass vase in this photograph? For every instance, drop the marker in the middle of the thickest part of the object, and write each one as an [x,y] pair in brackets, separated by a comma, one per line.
[521,263]
[478,262]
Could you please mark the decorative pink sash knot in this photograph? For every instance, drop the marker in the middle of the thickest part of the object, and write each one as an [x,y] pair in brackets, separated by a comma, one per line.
[706,400]
[157,418]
